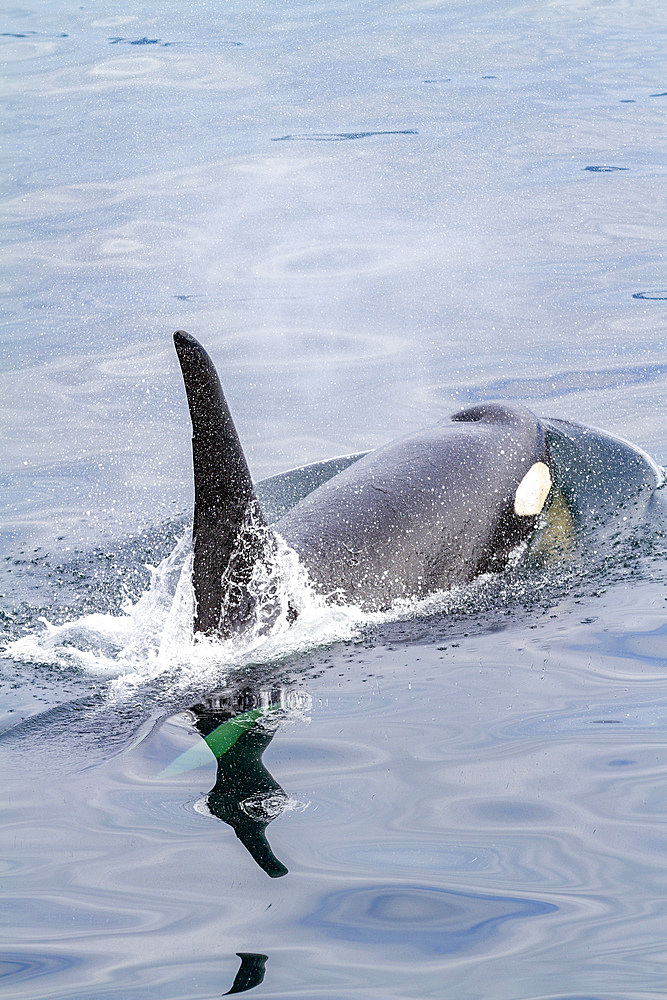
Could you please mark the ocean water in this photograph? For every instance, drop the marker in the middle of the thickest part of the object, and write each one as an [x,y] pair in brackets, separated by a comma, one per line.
[370,214]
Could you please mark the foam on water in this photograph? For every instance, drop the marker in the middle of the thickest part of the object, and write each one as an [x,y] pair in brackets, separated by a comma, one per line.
[151,639]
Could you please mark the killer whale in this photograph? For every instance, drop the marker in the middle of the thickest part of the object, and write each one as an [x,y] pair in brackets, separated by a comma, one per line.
[427,512]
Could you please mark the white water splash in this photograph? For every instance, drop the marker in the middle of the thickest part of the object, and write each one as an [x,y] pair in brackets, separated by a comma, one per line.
[152,639]
[140,642]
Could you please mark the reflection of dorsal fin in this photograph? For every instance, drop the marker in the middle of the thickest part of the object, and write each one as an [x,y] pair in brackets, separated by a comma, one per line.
[246,796]
[224,494]
[250,974]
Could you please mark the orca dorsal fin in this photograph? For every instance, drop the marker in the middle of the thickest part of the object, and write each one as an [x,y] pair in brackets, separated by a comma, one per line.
[225,501]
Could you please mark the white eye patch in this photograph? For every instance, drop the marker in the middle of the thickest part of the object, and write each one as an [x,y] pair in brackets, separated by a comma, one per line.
[532,491]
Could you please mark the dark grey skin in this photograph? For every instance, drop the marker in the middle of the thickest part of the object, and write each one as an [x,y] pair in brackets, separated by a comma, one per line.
[424,513]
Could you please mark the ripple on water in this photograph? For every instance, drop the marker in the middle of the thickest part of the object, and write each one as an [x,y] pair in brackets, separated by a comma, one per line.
[341,136]
[329,261]
[23,46]
[403,858]
[420,919]
[506,811]
[604,169]
[331,348]
[118,40]
[20,966]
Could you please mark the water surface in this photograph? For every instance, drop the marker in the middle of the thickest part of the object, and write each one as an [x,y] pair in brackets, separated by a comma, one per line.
[371,214]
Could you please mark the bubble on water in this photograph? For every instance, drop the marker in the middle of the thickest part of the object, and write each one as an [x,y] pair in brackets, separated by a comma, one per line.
[660,295]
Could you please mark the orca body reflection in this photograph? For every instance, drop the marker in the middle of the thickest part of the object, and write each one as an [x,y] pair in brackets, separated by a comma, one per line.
[237,727]
[250,974]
